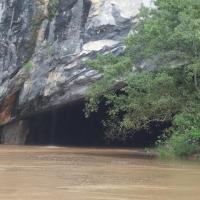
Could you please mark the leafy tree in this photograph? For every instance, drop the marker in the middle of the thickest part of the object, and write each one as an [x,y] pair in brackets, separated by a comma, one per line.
[168,36]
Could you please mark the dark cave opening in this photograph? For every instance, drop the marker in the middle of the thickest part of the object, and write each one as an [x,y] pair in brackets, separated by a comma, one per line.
[67,126]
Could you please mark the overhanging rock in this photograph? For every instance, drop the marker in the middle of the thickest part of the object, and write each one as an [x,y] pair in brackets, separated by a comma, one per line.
[42,59]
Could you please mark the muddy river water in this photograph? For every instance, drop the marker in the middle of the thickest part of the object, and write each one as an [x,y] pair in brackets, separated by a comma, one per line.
[52,173]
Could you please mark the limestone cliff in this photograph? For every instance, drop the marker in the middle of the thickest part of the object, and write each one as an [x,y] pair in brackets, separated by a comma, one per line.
[44,45]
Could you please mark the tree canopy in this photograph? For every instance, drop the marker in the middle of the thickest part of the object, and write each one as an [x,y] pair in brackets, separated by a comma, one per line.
[167,36]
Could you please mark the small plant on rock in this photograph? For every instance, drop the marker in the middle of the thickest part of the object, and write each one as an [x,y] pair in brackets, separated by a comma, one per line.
[53,8]
[28,65]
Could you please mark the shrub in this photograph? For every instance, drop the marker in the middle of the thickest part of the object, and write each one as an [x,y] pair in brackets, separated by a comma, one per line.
[53,8]
[185,136]
[28,65]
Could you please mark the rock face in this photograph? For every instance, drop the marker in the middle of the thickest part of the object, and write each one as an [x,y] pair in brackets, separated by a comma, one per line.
[44,45]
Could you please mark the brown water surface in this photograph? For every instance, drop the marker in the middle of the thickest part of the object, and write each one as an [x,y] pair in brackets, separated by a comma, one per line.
[51,173]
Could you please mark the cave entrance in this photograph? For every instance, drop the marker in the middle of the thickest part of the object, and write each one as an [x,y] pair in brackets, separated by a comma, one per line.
[68,126]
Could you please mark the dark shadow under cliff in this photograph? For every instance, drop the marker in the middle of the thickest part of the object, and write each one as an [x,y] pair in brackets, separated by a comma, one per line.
[68,126]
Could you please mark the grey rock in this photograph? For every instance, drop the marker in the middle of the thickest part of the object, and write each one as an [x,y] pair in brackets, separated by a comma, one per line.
[15,133]
[42,60]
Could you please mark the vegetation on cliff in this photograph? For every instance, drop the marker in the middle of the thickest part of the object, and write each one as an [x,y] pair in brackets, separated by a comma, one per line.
[167,40]
[53,8]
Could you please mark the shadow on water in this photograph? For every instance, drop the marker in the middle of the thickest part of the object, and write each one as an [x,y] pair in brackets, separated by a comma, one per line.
[139,154]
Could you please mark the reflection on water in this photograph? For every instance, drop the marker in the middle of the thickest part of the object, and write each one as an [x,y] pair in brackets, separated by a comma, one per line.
[54,173]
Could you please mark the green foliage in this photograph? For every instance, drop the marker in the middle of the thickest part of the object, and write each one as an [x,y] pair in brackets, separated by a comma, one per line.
[48,50]
[114,69]
[53,8]
[136,98]
[148,97]
[28,65]
[185,139]
[173,27]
